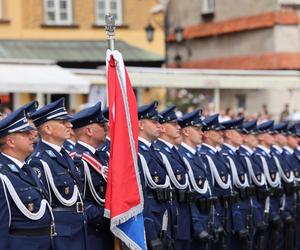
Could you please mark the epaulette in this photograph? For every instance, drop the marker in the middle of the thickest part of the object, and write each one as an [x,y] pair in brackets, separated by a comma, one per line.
[13,168]
[188,154]
[144,148]
[167,149]
[50,153]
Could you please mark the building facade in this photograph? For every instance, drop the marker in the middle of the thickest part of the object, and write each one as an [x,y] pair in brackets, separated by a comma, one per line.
[71,34]
[245,35]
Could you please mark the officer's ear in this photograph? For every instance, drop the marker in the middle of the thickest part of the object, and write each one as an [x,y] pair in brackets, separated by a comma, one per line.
[88,131]
[185,132]
[162,128]
[9,141]
[141,125]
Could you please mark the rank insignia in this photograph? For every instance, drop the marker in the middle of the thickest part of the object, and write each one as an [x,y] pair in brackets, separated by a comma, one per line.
[30,206]
[156,178]
[144,148]
[273,176]
[287,173]
[66,190]
[200,182]
[223,177]
[296,173]
[258,177]
[50,153]
[178,177]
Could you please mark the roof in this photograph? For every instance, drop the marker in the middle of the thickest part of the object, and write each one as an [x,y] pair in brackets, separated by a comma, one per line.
[71,50]
[248,23]
[200,78]
[40,78]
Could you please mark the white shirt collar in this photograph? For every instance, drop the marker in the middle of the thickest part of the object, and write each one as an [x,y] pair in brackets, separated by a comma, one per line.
[211,147]
[170,145]
[278,148]
[89,147]
[189,148]
[54,146]
[264,148]
[289,149]
[247,148]
[145,141]
[230,146]
[298,148]
[17,162]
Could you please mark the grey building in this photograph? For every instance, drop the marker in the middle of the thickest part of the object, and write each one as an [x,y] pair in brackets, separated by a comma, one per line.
[246,35]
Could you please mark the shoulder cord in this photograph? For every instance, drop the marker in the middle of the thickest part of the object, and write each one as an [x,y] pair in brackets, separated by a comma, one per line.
[171,174]
[216,175]
[148,176]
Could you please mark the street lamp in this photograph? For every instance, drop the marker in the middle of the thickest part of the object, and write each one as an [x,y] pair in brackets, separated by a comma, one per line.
[149,32]
[179,34]
[178,60]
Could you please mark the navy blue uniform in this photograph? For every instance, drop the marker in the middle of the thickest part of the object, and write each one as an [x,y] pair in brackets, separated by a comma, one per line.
[257,179]
[241,209]
[267,163]
[155,200]
[201,210]
[180,209]
[220,177]
[69,218]
[18,232]
[98,230]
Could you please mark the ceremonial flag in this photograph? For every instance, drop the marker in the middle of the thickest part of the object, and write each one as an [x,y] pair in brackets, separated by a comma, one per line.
[124,199]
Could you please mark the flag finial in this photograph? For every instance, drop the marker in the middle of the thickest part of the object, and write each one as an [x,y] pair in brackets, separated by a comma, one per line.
[110,28]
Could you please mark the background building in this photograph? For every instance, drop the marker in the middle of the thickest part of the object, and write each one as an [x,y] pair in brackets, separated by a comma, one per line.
[229,34]
[70,34]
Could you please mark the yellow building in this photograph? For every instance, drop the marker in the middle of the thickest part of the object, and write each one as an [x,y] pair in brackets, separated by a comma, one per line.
[70,33]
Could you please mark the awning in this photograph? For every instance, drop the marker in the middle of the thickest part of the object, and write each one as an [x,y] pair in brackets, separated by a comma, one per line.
[201,79]
[72,51]
[40,78]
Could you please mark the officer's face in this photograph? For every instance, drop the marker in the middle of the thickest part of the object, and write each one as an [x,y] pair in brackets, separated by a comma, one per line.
[22,143]
[280,139]
[250,140]
[215,137]
[98,132]
[150,128]
[60,130]
[196,135]
[171,130]
[235,137]
[268,139]
[292,142]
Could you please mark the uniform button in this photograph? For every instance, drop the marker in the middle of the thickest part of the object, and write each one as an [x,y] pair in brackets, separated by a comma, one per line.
[29,197]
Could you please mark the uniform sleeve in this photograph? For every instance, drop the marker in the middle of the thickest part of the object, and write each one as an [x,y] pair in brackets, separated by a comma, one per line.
[4,219]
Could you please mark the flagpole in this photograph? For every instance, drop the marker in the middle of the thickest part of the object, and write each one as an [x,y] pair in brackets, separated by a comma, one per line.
[110,28]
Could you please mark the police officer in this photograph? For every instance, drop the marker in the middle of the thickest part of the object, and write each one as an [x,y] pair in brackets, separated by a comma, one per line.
[169,139]
[56,169]
[25,214]
[257,179]
[105,146]
[90,128]
[263,158]
[241,211]
[220,177]
[203,204]
[154,179]
[287,182]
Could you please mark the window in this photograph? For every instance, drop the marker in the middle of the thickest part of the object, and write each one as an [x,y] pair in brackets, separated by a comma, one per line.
[208,6]
[104,7]
[58,12]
